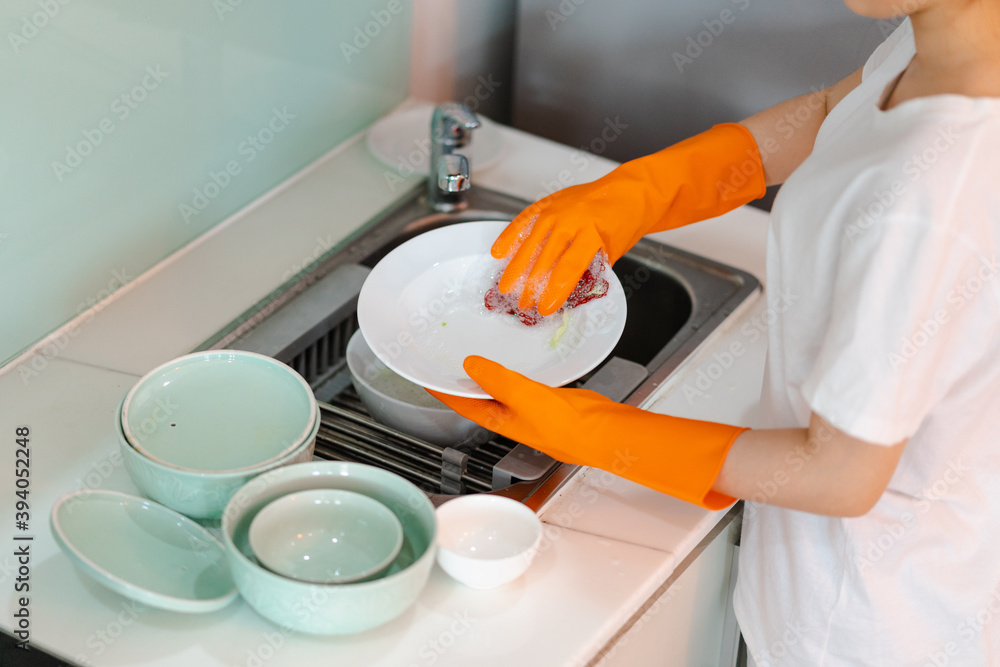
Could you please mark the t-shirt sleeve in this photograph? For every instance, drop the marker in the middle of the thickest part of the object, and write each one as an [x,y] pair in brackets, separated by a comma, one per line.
[898,335]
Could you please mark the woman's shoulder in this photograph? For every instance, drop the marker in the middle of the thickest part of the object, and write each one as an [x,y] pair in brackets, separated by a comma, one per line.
[933,166]
[951,129]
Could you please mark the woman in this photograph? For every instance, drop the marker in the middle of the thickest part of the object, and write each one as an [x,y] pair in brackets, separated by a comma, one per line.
[874,544]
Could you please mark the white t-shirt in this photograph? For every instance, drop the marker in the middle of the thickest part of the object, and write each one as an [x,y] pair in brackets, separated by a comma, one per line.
[882,263]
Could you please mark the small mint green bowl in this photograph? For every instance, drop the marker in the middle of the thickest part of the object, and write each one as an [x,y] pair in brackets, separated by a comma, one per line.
[332,609]
[326,536]
[199,495]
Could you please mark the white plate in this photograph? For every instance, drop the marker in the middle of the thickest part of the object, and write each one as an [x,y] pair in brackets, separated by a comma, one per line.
[403,141]
[421,311]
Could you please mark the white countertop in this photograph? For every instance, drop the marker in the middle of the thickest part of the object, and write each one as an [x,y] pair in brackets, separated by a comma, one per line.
[609,543]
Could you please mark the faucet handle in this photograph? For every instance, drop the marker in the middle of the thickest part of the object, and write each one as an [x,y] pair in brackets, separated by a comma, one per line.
[452,124]
[453,173]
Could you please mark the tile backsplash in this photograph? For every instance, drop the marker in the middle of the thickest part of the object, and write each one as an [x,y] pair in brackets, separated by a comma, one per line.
[130,127]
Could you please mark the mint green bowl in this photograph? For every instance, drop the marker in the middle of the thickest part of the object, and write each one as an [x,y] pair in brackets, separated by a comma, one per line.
[199,495]
[332,609]
[219,411]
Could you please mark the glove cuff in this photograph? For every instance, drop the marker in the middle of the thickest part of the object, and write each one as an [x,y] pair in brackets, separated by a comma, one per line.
[680,457]
[719,170]
[744,180]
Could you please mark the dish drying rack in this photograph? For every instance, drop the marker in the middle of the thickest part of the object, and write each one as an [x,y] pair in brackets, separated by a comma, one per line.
[348,433]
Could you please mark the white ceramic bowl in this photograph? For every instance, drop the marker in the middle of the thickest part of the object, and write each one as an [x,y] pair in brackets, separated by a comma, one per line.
[486,541]
[219,411]
[326,536]
[395,401]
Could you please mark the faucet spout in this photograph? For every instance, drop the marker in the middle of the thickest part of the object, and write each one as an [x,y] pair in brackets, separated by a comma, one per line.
[453,173]
[451,127]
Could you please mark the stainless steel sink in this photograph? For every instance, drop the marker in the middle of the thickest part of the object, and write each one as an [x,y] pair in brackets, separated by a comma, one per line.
[675,300]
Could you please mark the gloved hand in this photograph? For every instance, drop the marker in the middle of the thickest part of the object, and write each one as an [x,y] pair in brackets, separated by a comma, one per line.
[559,235]
[681,457]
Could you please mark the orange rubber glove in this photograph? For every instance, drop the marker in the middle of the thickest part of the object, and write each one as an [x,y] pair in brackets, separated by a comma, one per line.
[681,457]
[553,241]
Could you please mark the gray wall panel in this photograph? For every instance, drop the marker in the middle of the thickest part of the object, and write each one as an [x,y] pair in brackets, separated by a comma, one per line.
[668,70]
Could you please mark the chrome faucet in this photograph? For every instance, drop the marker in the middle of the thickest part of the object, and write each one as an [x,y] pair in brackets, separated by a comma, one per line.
[451,127]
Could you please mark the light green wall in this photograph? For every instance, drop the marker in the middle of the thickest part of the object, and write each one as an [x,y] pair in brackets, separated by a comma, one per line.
[120,118]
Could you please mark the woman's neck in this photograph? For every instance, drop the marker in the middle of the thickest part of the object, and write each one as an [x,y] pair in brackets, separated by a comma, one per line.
[958,51]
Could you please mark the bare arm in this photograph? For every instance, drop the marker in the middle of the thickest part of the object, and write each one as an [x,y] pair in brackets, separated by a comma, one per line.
[819,469]
[785,132]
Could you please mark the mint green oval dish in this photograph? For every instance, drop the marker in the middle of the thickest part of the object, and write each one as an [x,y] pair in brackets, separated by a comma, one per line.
[143,551]
[218,411]
[332,609]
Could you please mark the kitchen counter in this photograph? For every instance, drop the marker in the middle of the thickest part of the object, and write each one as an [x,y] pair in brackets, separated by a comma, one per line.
[609,544]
